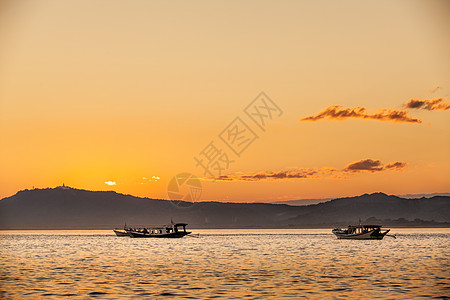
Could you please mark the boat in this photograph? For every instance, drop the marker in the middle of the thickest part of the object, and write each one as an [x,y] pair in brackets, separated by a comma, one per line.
[172,230]
[361,232]
[122,232]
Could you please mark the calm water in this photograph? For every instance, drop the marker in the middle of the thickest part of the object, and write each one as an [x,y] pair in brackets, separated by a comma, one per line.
[224,264]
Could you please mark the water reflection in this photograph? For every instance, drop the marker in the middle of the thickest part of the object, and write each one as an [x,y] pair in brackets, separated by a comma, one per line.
[223,264]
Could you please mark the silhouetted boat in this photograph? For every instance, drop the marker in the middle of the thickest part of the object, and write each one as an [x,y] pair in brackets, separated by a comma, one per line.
[360,232]
[172,230]
[122,232]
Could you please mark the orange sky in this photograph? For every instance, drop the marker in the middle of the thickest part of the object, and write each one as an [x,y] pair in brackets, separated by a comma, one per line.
[112,91]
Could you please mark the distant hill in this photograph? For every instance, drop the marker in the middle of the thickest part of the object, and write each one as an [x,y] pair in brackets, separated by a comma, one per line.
[302,202]
[415,196]
[68,208]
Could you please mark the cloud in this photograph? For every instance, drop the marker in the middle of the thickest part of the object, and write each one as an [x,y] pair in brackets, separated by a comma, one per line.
[428,104]
[110,182]
[370,165]
[398,165]
[302,173]
[153,178]
[365,165]
[338,112]
[280,175]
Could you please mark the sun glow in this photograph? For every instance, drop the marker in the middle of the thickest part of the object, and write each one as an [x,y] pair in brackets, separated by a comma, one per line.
[91,104]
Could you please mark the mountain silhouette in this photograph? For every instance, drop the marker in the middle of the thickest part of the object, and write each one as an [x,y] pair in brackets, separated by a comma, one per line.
[69,208]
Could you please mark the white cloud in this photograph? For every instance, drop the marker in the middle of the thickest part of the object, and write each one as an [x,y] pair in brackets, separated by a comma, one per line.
[153,178]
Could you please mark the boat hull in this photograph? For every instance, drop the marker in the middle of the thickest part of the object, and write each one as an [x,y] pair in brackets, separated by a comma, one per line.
[180,234]
[120,232]
[371,235]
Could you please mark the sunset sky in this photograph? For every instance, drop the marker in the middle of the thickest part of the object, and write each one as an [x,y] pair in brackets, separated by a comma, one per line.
[123,95]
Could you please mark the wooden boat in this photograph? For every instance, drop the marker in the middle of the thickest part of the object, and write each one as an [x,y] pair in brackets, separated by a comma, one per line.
[360,232]
[122,232]
[172,230]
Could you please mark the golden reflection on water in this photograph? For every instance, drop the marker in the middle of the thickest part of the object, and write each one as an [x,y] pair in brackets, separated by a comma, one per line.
[226,264]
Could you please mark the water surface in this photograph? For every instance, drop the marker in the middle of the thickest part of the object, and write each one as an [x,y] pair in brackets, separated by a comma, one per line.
[249,264]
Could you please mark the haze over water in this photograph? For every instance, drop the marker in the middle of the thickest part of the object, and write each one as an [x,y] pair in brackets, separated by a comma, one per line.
[250,264]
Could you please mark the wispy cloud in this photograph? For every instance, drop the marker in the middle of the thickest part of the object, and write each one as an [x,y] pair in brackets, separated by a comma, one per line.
[147,180]
[291,174]
[428,104]
[110,182]
[365,165]
[338,112]
[370,165]
[398,165]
